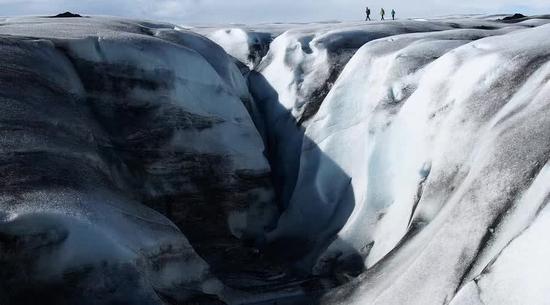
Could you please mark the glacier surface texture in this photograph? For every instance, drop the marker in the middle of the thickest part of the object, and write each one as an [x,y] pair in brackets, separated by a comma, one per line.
[332,163]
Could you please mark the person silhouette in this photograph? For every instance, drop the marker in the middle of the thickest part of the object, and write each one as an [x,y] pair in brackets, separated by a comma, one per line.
[367,11]
[382,13]
[393,14]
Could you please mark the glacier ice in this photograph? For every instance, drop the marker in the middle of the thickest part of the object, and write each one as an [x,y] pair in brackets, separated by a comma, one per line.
[325,163]
[455,156]
[104,122]
[415,145]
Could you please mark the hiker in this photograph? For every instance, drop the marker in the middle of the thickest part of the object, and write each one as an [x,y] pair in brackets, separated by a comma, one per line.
[393,14]
[382,13]
[367,11]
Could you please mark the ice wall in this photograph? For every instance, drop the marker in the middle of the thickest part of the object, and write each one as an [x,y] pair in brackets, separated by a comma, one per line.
[443,151]
[106,125]
[417,148]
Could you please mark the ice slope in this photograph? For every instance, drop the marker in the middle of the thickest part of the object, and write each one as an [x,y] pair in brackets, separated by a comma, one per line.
[360,106]
[448,150]
[300,69]
[419,156]
[106,125]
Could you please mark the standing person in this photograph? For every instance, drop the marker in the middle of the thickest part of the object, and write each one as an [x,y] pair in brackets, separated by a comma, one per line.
[393,14]
[367,11]
[382,13]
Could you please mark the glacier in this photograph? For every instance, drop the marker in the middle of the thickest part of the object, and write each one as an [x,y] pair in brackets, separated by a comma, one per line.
[117,135]
[399,162]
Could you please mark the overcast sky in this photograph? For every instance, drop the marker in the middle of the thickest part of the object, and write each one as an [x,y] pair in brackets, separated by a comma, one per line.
[256,11]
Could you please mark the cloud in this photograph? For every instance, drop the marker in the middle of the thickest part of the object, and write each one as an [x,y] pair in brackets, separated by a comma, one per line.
[253,11]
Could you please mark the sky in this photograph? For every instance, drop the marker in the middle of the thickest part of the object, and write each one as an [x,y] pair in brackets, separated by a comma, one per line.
[259,11]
